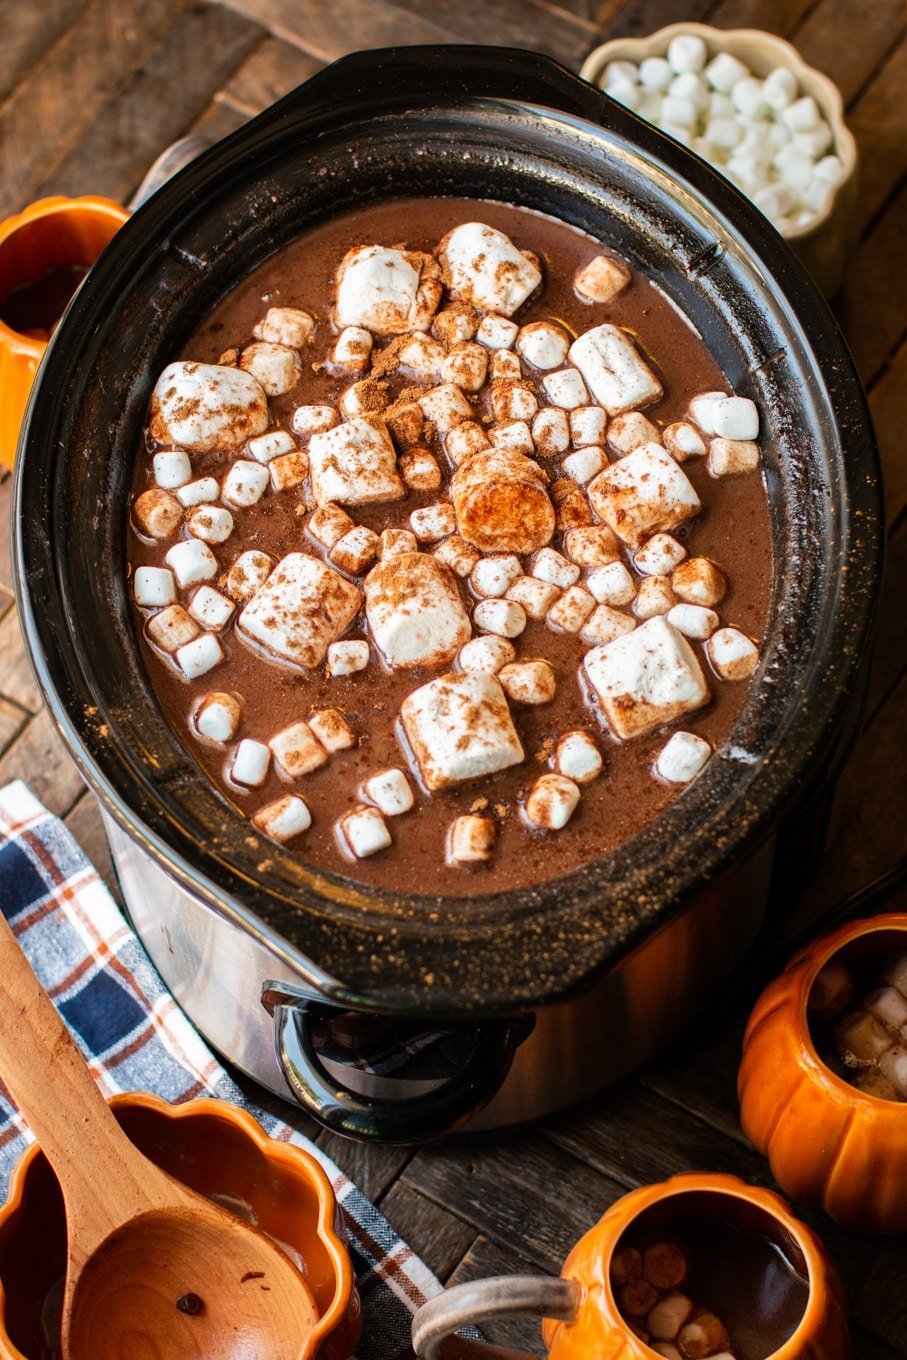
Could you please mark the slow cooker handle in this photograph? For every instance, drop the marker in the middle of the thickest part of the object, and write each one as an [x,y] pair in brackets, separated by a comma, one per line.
[408,1119]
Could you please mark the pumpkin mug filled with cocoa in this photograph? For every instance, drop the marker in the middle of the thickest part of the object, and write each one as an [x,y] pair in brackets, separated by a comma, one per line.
[699,1266]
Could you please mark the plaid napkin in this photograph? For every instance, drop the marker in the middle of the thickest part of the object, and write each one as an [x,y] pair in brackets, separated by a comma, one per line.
[136,1038]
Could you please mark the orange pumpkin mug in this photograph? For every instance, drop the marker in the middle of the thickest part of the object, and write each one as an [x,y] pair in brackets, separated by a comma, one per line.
[660,1267]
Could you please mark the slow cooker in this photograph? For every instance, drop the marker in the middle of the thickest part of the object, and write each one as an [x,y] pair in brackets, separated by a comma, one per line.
[399,1017]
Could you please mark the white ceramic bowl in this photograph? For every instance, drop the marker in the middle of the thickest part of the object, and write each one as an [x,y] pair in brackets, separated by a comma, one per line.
[824,243]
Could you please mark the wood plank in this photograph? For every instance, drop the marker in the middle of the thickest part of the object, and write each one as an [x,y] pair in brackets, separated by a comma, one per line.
[871,306]
[373,1168]
[887,404]
[483,1261]
[12,720]
[270,72]
[28,31]
[84,821]
[439,1238]
[889,651]
[848,39]
[699,1074]
[218,120]
[332,30]
[40,758]
[878,120]
[777,16]
[45,116]
[639,18]
[881,1305]
[172,88]
[510,23]
[16,680]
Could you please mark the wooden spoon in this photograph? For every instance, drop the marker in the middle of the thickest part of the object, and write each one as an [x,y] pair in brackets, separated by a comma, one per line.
[154,1271]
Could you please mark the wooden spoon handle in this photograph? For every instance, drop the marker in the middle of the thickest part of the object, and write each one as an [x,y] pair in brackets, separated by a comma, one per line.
[49,1080]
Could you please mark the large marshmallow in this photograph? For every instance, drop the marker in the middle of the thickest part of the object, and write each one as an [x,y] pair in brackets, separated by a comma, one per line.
[615,372]
[303,607]
[642,494]
[284,819]
[297,750]
[201,407]
[646,678]
[484,267]
[354,464]
[552,802]
[459,727]
[387,291]
[414,611]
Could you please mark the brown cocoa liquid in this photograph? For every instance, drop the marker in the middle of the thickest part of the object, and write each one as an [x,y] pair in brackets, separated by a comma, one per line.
[732,529]
[34,308]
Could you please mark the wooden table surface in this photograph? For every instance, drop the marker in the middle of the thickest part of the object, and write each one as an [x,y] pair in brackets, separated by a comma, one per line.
[90,92]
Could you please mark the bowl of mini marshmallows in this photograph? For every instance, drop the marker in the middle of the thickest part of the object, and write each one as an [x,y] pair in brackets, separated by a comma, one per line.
[746,102]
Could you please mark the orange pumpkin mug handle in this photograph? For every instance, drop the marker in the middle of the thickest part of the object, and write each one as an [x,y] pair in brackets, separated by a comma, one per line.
[484,1300]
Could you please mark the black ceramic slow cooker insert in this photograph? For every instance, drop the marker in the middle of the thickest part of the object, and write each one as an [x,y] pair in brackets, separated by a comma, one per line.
[571,982]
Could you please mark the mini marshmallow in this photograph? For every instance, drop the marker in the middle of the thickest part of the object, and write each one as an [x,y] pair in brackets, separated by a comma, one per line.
[506,618]
[363,832]
[286,326]
[200,492]
[896,973]
[156,513]
[446,407]
[571,506]
[201,407]
[678,112]
[893,1067]
[276,367]
[515,436]
[550,432]
[601,279]
[723,133]
[301,609]
[748,96]
[592,546]
[655,73]
[795,166]
[354,464]
[396,541]
[605,624]
[505,365]
[464,440]
[459,727]
[248,573]
[816,141]
[614,371]
[659,555]
[888,1005]
[861,1037]
[587,426]
[733,655]
[496,332]
[405,421]
[584,464]
[211,609]
[668,1316]
[423,357]
[534,597]
[364,398]
[688,85]
[645,678]
[618,71]
[682,758]
[491,576]
[566,389]
[486,270]
[309,420]
[513,401]
[668,1351]
[210,523]
[735,418]
[245,483]
[644,493]
[693,621]
[552,802]
[625,91]
[191,562]
[577,757]
[780,88]
[284,819]
[466,365]
[629,431]
[702,410]
[387,291]
[332,730]
[471,840]
[698,581]
[723,72]
[654,596]
[218,717]
[200,655]
[356,550]
[171,628]
[683,441]
[172,469]
[732,457]
[420,470]
[352,348]
[288,470]
[345,658]
[570,612]
[297,750]
[529,682]
[802,115]
[542,344]
[549,565]
[454,325]
[389,790]
[488,653]
[457,554]
[611,584]
[414,611]
[687,52]
[153,587]
[328,525]
[433,522]
[264,447]
[830,169]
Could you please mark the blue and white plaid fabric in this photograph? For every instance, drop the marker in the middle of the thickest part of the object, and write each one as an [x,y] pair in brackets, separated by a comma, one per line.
[136,1038]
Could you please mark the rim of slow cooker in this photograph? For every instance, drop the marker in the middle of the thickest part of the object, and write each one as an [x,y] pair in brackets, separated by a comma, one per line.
[552,937]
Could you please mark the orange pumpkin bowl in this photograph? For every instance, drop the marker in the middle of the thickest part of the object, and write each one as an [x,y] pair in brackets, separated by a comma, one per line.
[827,1142]
[599,1328]
[217,1150]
